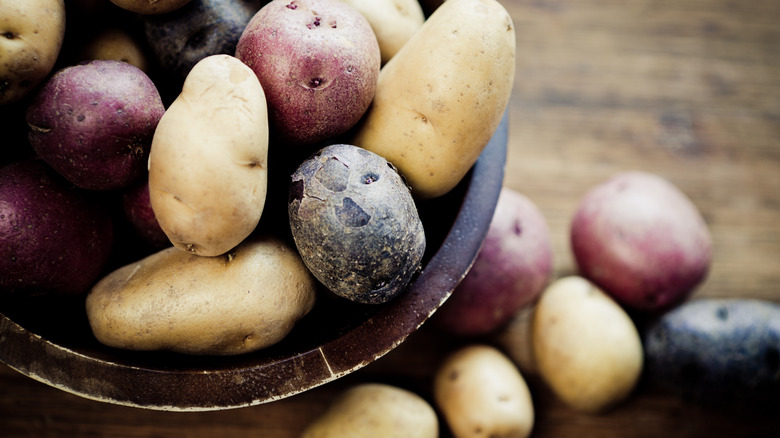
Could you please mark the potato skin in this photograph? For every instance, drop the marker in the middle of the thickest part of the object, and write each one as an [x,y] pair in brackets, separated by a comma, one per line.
[718,352]
[394,22]
[587,349]
[375,410]
[151,7]
[480,393]
[642,240]
[243,301]
[318,61]
[355,224]
[94,122]
[510,271]
[33,32]
[208,166]
[118,45]
[441,98]
[53,238]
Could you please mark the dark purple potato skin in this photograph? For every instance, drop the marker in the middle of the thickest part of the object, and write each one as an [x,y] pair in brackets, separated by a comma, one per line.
[718,352]
[179,39]
[53,239]
[93,123]
[510,271]
[318,62]
[138,211]
[355,224]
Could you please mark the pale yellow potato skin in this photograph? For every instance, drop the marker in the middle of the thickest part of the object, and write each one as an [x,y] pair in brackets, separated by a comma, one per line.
[481,393]
[31,36]
[117,45]
[394,22]
[375,410]
[243,301]
[208,160]
[587,348]
[441,97]
[150,7]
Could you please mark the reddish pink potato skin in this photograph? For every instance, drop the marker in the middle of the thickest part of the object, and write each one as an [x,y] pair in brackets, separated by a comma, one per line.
[511,270]
[641,240]
[53,239]
[138,211]
[93,123]
[318,62]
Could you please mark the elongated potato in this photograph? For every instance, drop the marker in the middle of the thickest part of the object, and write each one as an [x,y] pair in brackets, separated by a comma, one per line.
[243,301]
[208,163]
[441,97]
[394,22]
[586,347]
[375,410]
[481,393]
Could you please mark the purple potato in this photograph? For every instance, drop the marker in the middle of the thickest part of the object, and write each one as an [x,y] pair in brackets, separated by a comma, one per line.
[93,123]
[138,211]
[53,238]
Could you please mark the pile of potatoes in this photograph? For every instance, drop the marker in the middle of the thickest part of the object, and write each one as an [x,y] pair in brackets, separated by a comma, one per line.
[258,149]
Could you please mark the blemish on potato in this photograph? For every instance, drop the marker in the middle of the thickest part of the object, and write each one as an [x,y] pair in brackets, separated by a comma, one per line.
[333,174]
[350,214]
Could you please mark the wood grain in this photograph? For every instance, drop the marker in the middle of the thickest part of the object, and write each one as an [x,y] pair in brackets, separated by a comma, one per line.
[688,89]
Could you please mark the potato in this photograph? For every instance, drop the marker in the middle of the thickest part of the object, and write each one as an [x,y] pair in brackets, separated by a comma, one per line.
[441,97]
[178,40]
[375,410]
[94,122]
[150,6]
[172,300]
[480,393]
[355,224]
[586,347]
[718,352]
[137,208]
[318,61]
[394,22]
[118,45]
[33,32]
[54,239]
[208,163]
[510,271]
[641,240]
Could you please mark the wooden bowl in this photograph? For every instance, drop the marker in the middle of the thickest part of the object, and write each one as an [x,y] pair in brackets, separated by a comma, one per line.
[49,339]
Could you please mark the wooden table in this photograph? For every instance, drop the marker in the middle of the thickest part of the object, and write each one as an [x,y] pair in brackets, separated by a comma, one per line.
[687,89]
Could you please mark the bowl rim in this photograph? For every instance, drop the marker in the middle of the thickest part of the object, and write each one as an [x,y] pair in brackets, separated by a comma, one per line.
[230,386]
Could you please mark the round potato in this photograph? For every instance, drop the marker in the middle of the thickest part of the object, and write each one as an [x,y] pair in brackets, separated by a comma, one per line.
[208,163]
[32,35]
[394,22]
[481,393]
[376,410]
[118,45]
[240,302]
[355,224]
[586,347]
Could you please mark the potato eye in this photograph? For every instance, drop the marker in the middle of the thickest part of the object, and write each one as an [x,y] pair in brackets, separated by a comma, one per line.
[370,178]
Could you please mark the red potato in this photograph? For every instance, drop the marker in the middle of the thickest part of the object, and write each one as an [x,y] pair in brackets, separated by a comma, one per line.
[511,270]
[137,208]
[93,123]
[642,240]
[318,62]
[53,240]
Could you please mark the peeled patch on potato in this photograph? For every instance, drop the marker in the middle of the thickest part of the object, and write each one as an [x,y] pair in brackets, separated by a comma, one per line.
[587,349]
[208,162]
[441,97]
[355,224]
[376,410]
[240,302]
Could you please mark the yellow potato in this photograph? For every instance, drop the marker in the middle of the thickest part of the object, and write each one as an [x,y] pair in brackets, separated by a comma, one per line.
[116,44]
[31,35]
[375,410]
[441,97]
[481,393]
[150,7]
[394,22]
[586,347]
[243,301]
[208,161]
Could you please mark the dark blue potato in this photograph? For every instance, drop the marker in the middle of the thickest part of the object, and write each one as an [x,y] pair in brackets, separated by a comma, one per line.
[722,352]
[201,28]
[355,224]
